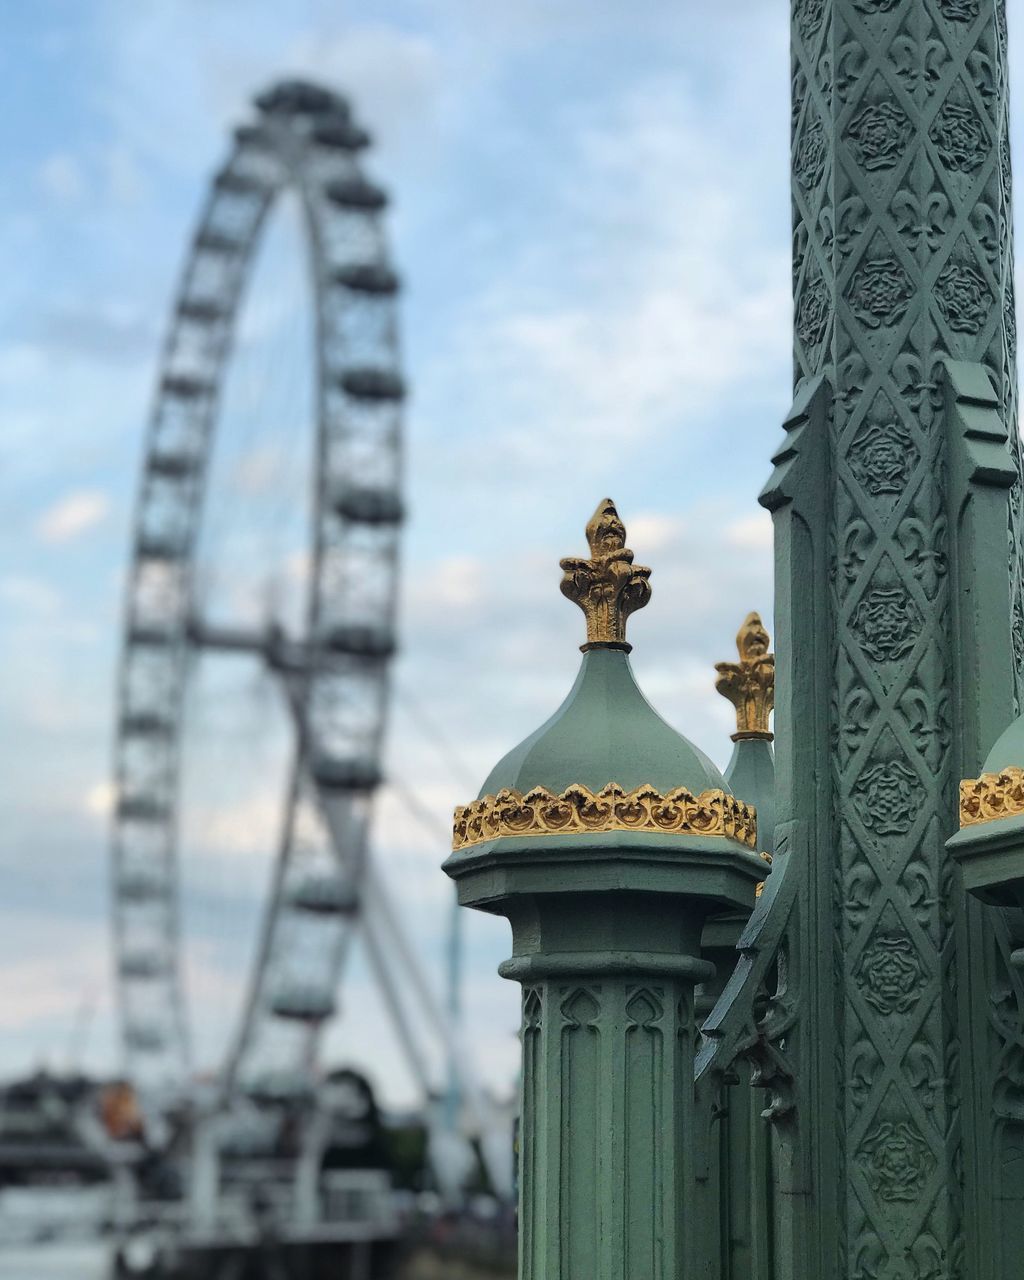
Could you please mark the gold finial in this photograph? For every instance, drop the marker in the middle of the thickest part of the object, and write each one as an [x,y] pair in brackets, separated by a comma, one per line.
[608,587]
[750,683]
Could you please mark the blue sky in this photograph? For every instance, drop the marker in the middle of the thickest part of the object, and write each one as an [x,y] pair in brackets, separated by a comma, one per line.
[591,218]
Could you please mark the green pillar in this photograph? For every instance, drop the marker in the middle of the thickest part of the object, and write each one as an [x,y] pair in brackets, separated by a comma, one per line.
[733,1189]
[902,263]
[606,839]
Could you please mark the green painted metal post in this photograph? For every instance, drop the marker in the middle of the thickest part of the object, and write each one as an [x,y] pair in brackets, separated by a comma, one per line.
[607,840]
[981,475]
[902,262]
[607,1101]
[806,1191]
[733,1191]
[606,942]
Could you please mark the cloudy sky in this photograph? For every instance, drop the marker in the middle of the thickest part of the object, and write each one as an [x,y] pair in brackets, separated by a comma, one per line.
[591,218]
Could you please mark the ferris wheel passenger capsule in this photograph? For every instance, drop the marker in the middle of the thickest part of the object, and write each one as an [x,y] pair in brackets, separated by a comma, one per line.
[324,895]
[346,775]
[303,1004]
[356,193]
[367,383]
[370,505]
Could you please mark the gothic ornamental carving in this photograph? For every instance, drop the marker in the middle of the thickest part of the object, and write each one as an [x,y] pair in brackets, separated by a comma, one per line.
[960,137]
[878,135]
[880,292]
[890,975]
[811,153]
[963,296]
[934,247]
[643,1008]
[1010,322]
[888,795]
[876,6]
[959,10]
[578,810]
[813,312]
[887,622]
[809,14]
[882,456]
[580,1008]
[896,1160]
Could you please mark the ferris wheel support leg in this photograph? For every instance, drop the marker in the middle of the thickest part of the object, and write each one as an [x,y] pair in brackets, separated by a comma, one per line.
[386,982]
[336,824]
[307,1178]
[204,1183]
[495,1151]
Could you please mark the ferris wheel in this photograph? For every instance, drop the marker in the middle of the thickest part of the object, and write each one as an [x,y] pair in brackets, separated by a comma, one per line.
[332,668]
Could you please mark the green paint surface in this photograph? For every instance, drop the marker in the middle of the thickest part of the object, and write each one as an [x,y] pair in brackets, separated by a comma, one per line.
[605,731]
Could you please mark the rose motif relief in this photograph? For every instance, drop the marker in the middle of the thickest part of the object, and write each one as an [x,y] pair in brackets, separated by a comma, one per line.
[811,152]
[890,975]
[963,297]
[959,137]
[896,1160]
[887,798]
[813,312]
[878,135]
[882,456]
[880,293]
[887,621]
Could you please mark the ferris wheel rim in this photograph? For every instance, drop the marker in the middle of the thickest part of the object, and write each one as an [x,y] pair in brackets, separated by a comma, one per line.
[295,123]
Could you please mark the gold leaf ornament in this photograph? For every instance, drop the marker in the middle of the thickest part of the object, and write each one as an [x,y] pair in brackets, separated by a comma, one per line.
[578,810]
[609,586]
[750,683]
[992,796]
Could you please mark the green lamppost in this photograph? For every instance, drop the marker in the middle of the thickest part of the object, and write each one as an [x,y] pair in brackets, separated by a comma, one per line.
[607,840]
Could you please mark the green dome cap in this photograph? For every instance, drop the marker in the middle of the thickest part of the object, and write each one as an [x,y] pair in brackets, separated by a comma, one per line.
[1008,752]
[605,731]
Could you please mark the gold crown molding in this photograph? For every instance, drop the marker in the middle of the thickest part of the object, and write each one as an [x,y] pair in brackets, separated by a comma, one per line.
[609,586]
[992,796]
[750,683]
[579,811]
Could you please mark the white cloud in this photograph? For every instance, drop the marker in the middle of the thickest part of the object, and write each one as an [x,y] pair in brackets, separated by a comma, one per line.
[653,531]
[751,532]
[73,515]
[454,583]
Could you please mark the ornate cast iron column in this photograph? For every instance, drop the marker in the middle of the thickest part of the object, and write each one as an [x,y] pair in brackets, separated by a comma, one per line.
[607,840]
[897,1160]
